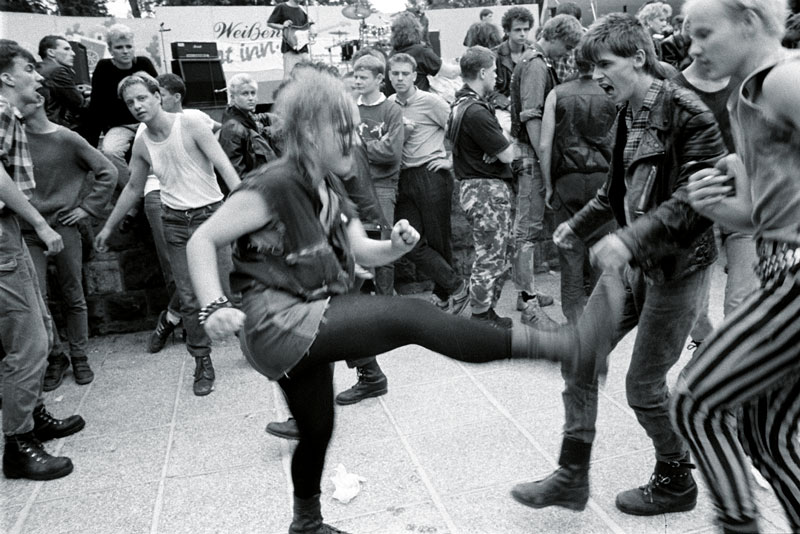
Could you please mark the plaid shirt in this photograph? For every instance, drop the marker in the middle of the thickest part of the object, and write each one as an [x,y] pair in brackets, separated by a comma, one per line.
[566,70]
[636,128]
[14,150]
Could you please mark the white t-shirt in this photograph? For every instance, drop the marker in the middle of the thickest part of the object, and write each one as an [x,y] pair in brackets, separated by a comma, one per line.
[152,183]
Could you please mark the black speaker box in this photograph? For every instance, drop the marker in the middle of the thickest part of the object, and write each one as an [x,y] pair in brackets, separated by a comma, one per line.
[81,63]
[204,79]
[194,50]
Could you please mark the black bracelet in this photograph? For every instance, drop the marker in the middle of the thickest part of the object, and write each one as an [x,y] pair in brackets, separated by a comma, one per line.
[208,309]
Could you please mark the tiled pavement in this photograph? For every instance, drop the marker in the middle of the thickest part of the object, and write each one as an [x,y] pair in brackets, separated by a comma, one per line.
[439,452]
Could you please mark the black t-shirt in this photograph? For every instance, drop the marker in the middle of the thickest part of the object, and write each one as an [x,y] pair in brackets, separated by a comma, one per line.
[480,134]
[718,104]
[106,109]
[281,14]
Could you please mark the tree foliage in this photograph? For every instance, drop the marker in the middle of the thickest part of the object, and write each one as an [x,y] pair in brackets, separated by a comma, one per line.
[75,8]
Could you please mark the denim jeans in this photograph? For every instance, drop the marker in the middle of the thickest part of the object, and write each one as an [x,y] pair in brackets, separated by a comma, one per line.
[572,192]
[152,210]
[424,198]
[664,315]
[529,222]
[740,257]
[384,275]
[116,144]
[179,225]
[25,330]
[69,273]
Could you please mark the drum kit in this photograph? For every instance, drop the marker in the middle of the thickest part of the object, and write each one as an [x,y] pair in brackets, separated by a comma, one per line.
[376,35]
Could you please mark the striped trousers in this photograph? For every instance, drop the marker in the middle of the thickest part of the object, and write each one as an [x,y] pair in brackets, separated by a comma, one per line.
[741,395]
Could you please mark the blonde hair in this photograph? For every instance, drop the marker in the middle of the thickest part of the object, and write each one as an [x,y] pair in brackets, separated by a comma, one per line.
[652,11]
[237,81]
[772,13]
[117,32]
[305,105]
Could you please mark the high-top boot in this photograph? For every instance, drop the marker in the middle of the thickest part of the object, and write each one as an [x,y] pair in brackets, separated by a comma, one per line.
[203,376]
[307,518]
[47,427]
[567,486]
[371,383]
[25,457]
[671,489]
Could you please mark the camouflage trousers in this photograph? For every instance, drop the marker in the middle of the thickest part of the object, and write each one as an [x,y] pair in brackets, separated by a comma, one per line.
[487,205]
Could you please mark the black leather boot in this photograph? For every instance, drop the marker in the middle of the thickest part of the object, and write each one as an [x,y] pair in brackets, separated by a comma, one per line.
[25,457]
[203,376]
[47,427]
[307,518]
[671,489]
[371,383]
[567,486]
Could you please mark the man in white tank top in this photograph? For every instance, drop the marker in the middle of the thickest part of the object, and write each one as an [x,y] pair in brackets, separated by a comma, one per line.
[183,154]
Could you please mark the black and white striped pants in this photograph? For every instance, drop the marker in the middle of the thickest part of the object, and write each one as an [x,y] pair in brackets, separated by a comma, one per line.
[750,363]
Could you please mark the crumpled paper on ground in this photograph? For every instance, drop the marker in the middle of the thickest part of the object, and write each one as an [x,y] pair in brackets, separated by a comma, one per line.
[347,485]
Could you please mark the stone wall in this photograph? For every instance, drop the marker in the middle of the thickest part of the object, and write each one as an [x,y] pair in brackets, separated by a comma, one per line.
[125,289]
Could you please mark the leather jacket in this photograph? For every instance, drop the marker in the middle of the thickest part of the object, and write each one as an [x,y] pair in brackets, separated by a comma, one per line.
[667,238]
[505,68]
[242,141]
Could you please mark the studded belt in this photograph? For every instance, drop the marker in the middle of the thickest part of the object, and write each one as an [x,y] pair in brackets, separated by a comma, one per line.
[775,261]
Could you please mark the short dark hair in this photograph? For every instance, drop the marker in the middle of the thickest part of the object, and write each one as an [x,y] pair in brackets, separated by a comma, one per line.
[473,60]
[483,34]
[516,13]
[9,51]
[622,35]
[172,83]
[48,42]
[403,58]
[484,12]
[583,64]
[569,8]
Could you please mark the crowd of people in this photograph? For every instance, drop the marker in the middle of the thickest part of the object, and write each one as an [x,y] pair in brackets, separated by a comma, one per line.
[653,144]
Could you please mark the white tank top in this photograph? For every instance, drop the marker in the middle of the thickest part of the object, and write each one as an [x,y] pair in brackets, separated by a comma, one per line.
[185,184]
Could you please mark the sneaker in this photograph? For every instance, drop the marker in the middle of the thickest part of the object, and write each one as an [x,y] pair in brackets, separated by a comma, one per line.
[490,317]
[541,298]
[57,367]
[81,371]
[159,336]
[533,316]
[203,376]
[460,298]
[286,430]
[443,305]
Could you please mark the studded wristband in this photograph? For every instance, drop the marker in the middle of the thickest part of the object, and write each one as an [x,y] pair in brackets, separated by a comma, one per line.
[208,309]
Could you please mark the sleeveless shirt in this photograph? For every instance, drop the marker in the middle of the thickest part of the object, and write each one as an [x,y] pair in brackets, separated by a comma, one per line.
[185,183]
[770,151]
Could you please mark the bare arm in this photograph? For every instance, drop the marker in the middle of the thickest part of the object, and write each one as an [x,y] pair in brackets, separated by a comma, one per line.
[242,213]
[209,146]
[139,167]
[372,252]
[546,143]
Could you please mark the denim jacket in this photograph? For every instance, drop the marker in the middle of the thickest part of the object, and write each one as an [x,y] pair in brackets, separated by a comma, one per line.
[667,238]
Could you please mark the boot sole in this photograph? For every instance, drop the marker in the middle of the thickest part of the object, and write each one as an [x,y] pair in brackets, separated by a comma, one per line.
[642,513]
[348,402]
[569,505]
[11,474]
[282,435]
